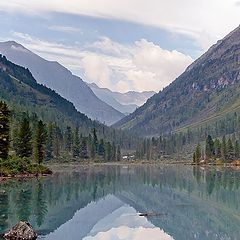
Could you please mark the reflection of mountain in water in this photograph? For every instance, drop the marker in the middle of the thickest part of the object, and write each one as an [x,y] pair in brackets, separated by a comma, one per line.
[199,204]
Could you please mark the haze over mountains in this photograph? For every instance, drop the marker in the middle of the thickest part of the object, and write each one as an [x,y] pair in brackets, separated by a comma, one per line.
[123,102]
[208,90]
[57,77]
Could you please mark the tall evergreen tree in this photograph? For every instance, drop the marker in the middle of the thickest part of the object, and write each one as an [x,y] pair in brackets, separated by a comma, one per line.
[209,152]
[40,142]
[84,149]
[198,154]
[230,150]
[224,148]
[101,148]
[237,149]
[217,148]
[76,143]
[50,139]
[4,130]
[118,153]
[24,139]
[68,140]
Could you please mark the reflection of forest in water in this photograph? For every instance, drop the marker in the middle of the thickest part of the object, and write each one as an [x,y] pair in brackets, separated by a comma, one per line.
[195,200]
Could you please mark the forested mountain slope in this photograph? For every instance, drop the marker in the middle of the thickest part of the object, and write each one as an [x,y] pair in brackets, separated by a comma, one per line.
[23,94]
[207,90]
[57,77]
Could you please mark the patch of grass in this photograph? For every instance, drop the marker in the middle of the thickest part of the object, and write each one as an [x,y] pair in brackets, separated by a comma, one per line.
[17,166]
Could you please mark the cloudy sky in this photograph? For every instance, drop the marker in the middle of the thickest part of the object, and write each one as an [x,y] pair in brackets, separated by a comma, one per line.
[123,45]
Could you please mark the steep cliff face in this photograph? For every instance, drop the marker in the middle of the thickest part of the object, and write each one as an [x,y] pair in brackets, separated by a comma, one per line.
[208,87]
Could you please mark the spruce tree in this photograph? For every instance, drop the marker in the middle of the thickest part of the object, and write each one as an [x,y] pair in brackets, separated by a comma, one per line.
[224,148]
[118,153]
[40,142]
[84,148]
[217,148]
[230,150]
[68,140]
[209,152]
[24,139]
[198,154]
[76,143]
[237,149]
[194,157]
[4,130]
[50,139]
[101,148]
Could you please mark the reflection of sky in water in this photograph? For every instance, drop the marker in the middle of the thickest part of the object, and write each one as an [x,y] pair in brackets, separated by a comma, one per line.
[111,219]
[104,202]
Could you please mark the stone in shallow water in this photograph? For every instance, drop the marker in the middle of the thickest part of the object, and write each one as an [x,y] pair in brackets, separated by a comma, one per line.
[21,231]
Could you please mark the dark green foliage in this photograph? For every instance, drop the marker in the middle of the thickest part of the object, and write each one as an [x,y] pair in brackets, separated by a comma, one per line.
[101,148]
[4,130]
[230,150]
[118,157]
[224,148]
[24,139]
[40,142]
[22,93]
[84,149]
[198,154]
[76,143]
[50,142]
[209,152]
[69,139]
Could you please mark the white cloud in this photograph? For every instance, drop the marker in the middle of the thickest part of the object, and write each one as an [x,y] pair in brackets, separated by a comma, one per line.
[124,232]
[139,66]
[204,20]
[65,29]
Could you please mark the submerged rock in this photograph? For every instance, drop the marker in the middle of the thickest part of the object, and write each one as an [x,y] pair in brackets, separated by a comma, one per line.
[21,231]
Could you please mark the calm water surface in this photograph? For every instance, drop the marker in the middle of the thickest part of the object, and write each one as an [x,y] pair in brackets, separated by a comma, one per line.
[104,202]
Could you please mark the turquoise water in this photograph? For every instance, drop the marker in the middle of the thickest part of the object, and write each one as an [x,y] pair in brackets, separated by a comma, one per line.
[104,202]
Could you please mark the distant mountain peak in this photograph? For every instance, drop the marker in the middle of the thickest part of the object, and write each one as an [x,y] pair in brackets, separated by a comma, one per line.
[57,77]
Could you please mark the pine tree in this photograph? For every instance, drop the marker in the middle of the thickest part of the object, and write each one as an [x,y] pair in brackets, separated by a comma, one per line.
[237,149]
[40,142]
[76,144]
[50,139]
[101,148]
[230,150]
[108,155]
[217,148]
[4,130]
[84,149]
[198,154]
[95,140]
[118,153]
[224,148]
[194,157]
[209,152]
[24,139]
[69,140]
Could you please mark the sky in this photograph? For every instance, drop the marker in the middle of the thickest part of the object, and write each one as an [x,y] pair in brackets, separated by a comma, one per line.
[140,45]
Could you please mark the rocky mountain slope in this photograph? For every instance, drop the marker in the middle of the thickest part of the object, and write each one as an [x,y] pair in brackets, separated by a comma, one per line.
[207,90]
[124,102]
[57,77]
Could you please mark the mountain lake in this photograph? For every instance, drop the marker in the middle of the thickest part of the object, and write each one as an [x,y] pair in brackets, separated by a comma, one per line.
[136,202]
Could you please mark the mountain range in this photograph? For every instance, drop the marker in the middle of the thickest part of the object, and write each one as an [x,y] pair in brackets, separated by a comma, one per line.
[57,77]
[208,90]
[124,102]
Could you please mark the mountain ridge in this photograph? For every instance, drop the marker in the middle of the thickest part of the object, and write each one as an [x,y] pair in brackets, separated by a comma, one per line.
[206,88]
[57,77]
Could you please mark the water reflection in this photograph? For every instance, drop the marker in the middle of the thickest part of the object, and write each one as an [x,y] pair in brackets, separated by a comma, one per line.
[104,202]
